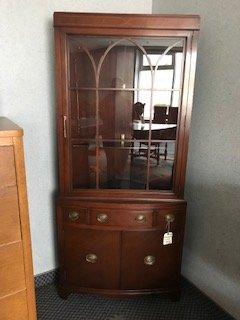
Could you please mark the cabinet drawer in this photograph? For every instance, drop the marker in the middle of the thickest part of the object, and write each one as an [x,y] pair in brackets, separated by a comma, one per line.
[75,215]
[9,216]
[147,263]
[7,168]
[175,218]
[12,277]
[92,257]
[14,307]
[121,218]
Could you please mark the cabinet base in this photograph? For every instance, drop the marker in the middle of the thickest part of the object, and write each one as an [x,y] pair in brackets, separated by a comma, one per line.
[173,294]
[63,292]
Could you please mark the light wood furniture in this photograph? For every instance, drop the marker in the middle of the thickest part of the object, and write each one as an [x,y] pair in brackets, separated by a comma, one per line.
[116,208]
[17,295]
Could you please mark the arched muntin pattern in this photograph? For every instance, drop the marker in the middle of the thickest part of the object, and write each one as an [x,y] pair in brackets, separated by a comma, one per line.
[152,77]
[90,58]
[164,54]
[97,70]
[115,44]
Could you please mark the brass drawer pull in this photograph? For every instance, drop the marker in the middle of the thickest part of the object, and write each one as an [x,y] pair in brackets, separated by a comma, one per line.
[149,260]
[141,218]
[91,258]
[102,217]
[170,217]
[73,215]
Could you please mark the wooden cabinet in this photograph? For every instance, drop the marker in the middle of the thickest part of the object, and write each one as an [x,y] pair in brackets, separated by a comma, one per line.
[17,297]
[124,98]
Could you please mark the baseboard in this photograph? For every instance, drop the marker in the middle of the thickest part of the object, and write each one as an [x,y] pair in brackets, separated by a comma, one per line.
[217,286]
[45,278]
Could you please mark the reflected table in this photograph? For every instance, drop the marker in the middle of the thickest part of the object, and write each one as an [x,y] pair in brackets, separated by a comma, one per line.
[138,126]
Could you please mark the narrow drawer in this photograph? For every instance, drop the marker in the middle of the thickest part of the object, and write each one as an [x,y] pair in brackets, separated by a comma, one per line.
[12,277]
[7,167]
[121,218]
[175,218]
[14,307]
[9,215]
[75,215]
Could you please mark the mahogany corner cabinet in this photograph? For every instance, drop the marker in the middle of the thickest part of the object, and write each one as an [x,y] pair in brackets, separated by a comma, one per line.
[124,98]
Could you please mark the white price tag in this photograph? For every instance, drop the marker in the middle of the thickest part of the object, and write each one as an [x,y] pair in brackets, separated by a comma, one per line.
[167,238]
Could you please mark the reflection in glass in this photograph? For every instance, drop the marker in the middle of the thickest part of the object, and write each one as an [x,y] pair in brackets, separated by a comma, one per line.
[84,166]
[80,66]
[161,169]
[115,114]
[119,168]
[83,113]
[117,70]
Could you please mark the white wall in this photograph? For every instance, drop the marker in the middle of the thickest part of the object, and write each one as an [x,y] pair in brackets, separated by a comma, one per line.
[212,246]
[27,96]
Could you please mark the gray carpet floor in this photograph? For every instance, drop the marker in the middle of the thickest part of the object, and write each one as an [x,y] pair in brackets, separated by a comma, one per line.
[193,305]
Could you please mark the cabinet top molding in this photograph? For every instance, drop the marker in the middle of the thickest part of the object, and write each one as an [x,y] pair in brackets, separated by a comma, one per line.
[127,21]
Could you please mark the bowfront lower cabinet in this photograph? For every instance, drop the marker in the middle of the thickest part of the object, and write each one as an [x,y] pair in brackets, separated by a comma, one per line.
[124,98]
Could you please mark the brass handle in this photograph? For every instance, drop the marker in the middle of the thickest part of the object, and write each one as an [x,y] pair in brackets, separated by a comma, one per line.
[65,126]
[141,218]
[170,217]
[102,217]
[73,215]
[91,258]
[149,260]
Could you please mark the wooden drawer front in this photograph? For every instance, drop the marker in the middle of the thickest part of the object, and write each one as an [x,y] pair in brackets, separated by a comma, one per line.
[75,215]
[176,218]
[9,215]
[82,245]
[121,218]
[12,276]
[7,169]
[14,307]
[164,272]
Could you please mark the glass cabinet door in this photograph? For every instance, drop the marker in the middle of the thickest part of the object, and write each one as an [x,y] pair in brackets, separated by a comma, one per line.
[124,102]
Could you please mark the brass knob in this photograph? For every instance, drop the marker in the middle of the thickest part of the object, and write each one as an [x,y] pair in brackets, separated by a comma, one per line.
[73,215]
[102,217]
[91,258]
[141,218]
[170,217]
[149,260]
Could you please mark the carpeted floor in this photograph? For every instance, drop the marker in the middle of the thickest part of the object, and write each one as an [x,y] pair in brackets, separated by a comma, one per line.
[192,306]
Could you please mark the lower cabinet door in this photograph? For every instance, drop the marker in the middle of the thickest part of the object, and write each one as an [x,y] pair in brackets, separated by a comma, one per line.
[147,263]
[92,258]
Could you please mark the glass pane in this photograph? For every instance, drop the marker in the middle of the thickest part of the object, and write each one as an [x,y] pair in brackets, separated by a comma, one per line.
[121,167]
[110,79]
[84,165]
[162,165]
[80,66]
[115,114]
[83,114]
[166,60]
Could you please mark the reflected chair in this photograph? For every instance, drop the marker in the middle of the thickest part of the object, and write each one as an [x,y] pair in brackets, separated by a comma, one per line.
[172,116]
[160,114]
[138,110]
